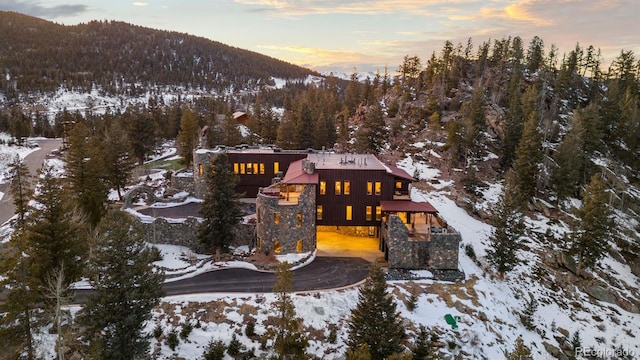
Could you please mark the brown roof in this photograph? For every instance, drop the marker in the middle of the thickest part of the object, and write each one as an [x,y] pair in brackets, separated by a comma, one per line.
[409,206]
[295,175]
[397,172]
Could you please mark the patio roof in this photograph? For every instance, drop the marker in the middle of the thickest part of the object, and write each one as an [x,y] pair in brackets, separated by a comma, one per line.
[397,172]
[296,175]
[408,206]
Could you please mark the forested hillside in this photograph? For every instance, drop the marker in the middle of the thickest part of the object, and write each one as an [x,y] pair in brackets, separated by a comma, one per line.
[38,56]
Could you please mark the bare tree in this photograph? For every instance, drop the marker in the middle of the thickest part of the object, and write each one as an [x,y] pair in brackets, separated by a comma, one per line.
[57,290]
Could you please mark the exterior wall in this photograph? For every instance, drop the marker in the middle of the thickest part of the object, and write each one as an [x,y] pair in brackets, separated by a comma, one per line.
[183,181]
[334,206]
[438,253]
[249,184]
[286,231]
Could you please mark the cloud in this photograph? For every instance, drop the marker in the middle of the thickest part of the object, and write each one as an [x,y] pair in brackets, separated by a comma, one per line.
[138,3]
[35,9]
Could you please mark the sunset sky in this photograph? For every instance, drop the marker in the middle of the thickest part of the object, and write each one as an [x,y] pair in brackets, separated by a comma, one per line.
[364,35]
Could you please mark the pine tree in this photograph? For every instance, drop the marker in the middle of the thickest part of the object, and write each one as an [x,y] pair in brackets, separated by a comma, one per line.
[221,207]
[126,288]
[520,352]
[375,321]
[20,187]
[118,161]
[474,115]
[289,342]
[372,134]
[526,166]
[54,231]
[590,241]
[85,172]
[505,238]
[188,136]
[514,119]
[423,350]
[230,132]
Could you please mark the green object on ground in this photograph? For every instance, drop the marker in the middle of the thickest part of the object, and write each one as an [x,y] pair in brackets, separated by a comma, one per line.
[451,321]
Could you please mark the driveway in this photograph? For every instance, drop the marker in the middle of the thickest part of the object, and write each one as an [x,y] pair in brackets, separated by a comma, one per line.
[34,162]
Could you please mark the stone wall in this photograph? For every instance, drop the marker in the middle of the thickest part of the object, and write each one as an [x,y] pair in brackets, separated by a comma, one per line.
[440,252]
[184,233]
[288,231]
[183,181]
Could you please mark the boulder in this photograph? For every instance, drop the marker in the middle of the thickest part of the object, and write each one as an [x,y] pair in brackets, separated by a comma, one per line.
[600,293]
[565,260]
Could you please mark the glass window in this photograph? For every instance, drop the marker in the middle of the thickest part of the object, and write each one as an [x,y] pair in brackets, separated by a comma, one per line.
[338,188]
[255,168]
[369,188]
[398,184]
[259,243]
[299,246]
[349,212]
[276,167]
[378,187]
[369,213]
[262,168]
[276,218]
[276,247]
[347,187]
[299,220]
[319,212]
[242,168]
[236,168]
[323,187]
[200,169]
[249,169]
[259,213]
[378,213]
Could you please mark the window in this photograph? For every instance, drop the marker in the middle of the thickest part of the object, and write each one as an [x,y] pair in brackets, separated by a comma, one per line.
[259,243]
[276,247]
[378,187]
[261,168]
[299,246]
[378,213]
[276,167]
[319,212]
[347,187]
[255,168]
[276,218]
[323,187]
[369,213]
[338,188]
[242,168]
[299,220]
[236,168]
[398,184]
[369,188]
[259,213]
[200,169]
[249,169]
[349,212]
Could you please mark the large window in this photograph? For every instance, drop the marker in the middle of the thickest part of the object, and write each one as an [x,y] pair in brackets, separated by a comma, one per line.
[369,213]
[347,187]
[338,188]
[236,168]
[378,213]
[242,168]
[200,169]
[276,167]
[369,188]
[378,187]
[249,168]
[319,212]
[262,168]
[323,187]
[349,212]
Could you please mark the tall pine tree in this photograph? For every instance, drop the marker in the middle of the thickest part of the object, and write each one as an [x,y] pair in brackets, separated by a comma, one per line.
[375,322]
[20,187]
[126,288]
[289,342]
[188,136]
[505,238]
[221,207]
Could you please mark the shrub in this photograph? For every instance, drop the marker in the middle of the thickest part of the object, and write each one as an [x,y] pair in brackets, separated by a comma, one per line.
[172,340]
[234,346]
[215,350]
[158,331]
[186,330]
[250,330]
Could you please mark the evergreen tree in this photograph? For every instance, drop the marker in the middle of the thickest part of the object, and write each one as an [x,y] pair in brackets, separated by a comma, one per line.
[126,288]
[375,322]
[289,342]
[505,238]
[221,207]
[230,132]
[20,187]
[118,161]
[54,231]
[85,172]
[141,132]
[372,134]
[188,136]
[423,349]
[567,176]
[514,119]
[474,114]
[304,135]
[590,241]
[520,352]
[527,164]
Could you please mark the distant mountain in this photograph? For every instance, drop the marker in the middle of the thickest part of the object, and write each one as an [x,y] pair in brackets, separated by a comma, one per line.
[39,56]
